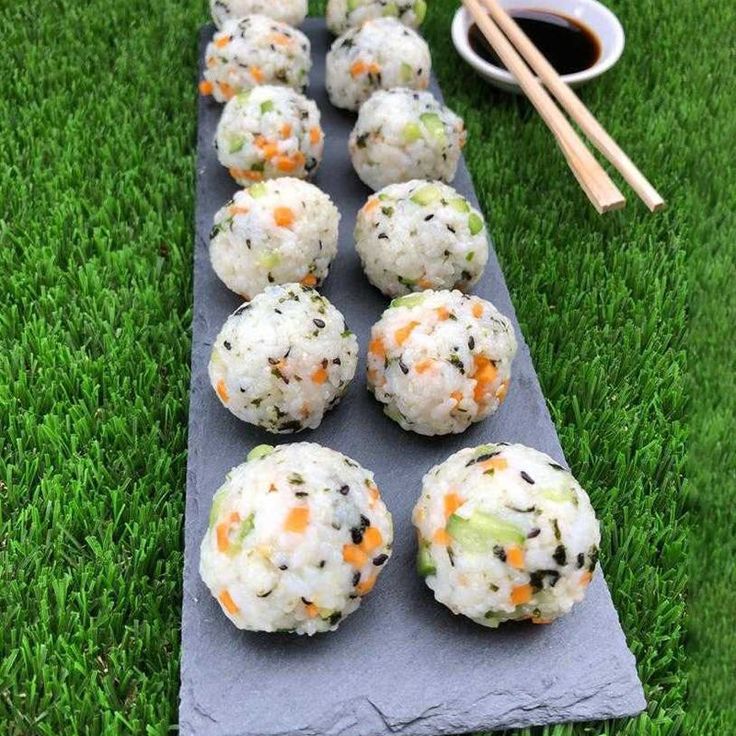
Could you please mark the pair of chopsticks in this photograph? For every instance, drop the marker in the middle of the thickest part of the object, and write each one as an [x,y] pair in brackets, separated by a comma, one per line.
[524,60]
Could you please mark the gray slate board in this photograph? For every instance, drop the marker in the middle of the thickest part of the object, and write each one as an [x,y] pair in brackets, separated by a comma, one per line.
[402,663]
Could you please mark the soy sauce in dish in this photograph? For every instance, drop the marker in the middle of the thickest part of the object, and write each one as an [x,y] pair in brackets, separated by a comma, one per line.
[567,44]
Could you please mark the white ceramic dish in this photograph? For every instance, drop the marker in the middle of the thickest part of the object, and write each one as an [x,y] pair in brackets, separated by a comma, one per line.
[590,13]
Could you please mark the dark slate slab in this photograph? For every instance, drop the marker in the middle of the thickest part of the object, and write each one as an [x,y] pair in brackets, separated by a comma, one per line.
[402,664]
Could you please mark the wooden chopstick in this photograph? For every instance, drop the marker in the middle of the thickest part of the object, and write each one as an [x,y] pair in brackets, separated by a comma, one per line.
[574,107]
[595,182]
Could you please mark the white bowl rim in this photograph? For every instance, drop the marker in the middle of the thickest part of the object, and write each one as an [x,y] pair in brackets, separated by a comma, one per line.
[611,48]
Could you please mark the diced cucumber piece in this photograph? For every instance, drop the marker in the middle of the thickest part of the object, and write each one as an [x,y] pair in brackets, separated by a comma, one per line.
[406,74]
[391,9]
[559,495]
[460,204]
[410,300]
[243,96]
[384,197]
[217,502]
[427,194]
[266,106]
[482,531]
[257,190]
[434,126]
[259,451]
[475,223]
[352,5]
[236,143]
[420,10]
[425,563]
[411,132]
[269,259]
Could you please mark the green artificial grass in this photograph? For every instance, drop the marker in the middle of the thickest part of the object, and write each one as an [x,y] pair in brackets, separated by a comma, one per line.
[97,123]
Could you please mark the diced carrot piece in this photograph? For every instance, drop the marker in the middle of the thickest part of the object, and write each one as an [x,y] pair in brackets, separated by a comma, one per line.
[443,313]
[457,396]
[309,280]
[312,610]
[423,365]
[585,578]
[272,488]
[354,555]
[315,135]
[370,205]
[452,503]
[222,42]
[286,163]
[280,39]
[366,586]
[515,557]
[283,216]
[502,390]
[206,87]
[441,536]
[372,539]
[319,376]
[541,620]
[211,61]
[228,603]
[228,92]
[425,283]
[297,520]
[257,73]
[285,130]
[253,175]
[357,68]
[222,391]
[377,347]
[238,210]
[495,463]
[477,310]
[374,68]
[485,372]
[223,530]
[403,333]
[375,494]
[521,594]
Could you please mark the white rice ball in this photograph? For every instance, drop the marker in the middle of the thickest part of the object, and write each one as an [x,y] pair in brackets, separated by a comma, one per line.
[440,360]
[380,54]
[274,232]
[255,50]
[292,12]
[298,534]
[269,132]
[344,14]
[505,533]
[420,235]
[404,134]
[283,360]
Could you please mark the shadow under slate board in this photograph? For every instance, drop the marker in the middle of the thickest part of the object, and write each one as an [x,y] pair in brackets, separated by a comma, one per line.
[401,664]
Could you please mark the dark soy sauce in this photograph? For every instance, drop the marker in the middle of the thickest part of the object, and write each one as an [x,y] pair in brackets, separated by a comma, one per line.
[568,45]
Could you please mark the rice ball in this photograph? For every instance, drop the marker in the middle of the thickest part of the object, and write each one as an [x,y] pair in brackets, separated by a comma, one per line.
[440,361]
[255,50]
[380,54]
[404,134]
[505,533]
[420,235]
[283,360]
[297,536]
[344,14]
[292,12]
[274,232]
[267,133]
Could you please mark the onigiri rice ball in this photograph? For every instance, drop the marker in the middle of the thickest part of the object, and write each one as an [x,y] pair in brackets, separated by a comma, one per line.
[255,50]
[440,361]
[297,537]
[274,232]
[420,235]
[404,134]
[505,533]
[380,54]
[292,12]
[283,360]
[344,14]
[267,133]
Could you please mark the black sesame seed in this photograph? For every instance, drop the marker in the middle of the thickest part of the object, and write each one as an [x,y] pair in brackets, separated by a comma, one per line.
[580,560]
[227,345]
[241,309]
[534,533]
[378,561]
[382,236]
[283,567]
[344,490]
[322,563]
[556,529]
[365,522]
[560,555]
[403,366]
[319,322]
[500,552]
[334,618]
[266,594]
[306,602]
[556,466]
[356,578]
[428,218]
[527,477]
[471,342]
[357,535]
[301,494]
